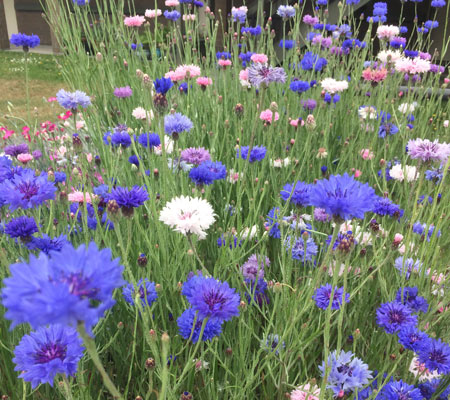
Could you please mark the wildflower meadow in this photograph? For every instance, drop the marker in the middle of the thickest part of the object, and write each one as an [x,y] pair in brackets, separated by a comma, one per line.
[223,210]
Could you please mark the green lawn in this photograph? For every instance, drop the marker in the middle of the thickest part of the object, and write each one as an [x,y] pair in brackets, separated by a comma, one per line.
[45,80]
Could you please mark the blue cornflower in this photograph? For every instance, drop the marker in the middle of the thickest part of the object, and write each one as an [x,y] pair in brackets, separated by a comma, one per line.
[438,3]
[399,390]
[299,86]
[128,199]
[409,297]
[398,42]
[380,9]
[174,124]
[213,299]
[26,190]
[311,61]
[146,289]
[21,227]
[225,55]
[272,222]
[286,11]
[421,229]
[26,41]
[71,101]
[411,53]
[149,140]
[287,44]
[189,323]
[47,244]
[172,15]
[322,2]
[436,356]
[162,85]
[232,241]
[118,139]
[208,172]
[273,343]
[257,153]
[5,168]
[343,196]
[302,249]
[245,57]
[351,2]
[384,206]
[406,266]
[435,175]
[256,290]
[134,159]
[81,2]
[395,316]
[413,339]
[322,297]
[72,285]
[296,193]
[60,177]
[254,31]
[49,351]
[347,372]
[431,24]
[428,388]
[387,128]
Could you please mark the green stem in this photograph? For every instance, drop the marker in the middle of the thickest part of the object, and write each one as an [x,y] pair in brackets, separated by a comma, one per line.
[27,86]
[92,351]
[67,388]
[205,271]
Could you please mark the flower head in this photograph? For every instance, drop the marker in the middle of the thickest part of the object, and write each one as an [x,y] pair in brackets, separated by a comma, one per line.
[26,41]
[254,267]
[25,190]
[347,372]
[343,196]
[129,198]
[21,227]
[188,215]
[190,325]
[286,11]
[123,92]
[47,244]
[162,85]
[409,296]
[301,249]
[426,150]
[49,351]
[72,285]
[395,316]
[149,140]
[195,156]
[306,392]
[174,124]
[71,101]
[436,356]
[263,74]
[322,297]
[212,298]
[257,153]
[413,339]
[399,390]
[146,290]
[296,193]
[208,172]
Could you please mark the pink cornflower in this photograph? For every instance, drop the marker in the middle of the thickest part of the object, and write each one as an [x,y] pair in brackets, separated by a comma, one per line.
[204,81]
[137,20]
[309,20]
[412,65]
[374,75]
[259,58]
[172,3]
[296,122]
[387,32]
[175,76]
[24,157]
[188,17]
[224,63]
[190,71]
[306,392]
[268,116]
[358,173]
[153,13]
[79,197]
[243,75]
[366,154]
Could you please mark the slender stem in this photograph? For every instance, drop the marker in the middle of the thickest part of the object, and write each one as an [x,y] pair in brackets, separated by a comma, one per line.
[27,88]
[67,387]
[92,351]
[205,271]
[165,372]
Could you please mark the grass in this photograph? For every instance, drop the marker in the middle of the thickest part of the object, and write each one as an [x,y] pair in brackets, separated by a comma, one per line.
[45,80]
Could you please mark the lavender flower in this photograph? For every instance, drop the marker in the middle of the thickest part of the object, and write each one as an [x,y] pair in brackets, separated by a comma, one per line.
[254,267]
[123,92]
[71,101]
[195,156]
[262,74]
[286,11]
[426,150]
[174,124]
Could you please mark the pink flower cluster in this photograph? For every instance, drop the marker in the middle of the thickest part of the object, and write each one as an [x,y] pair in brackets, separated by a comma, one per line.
[374,75]
[268,116]
[137,20]
[412,65]
[259,58]
[183,72]
[387,32]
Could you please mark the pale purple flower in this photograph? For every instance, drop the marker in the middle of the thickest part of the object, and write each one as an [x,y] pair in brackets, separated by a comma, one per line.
[195,156]
[123,92]
[426,150]
[264,74]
